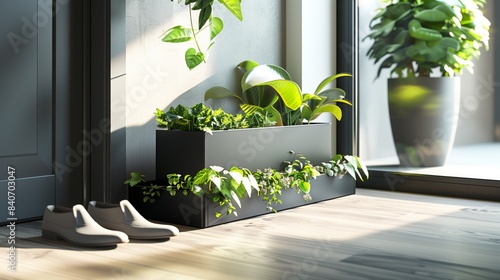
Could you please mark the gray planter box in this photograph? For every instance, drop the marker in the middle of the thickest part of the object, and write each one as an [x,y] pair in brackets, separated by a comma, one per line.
[187,152]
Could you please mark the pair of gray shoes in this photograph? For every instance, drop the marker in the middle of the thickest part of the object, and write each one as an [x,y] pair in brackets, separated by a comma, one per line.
[102,224]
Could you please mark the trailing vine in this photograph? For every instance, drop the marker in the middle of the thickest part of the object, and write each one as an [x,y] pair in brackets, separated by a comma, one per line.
[229,187]
[180,34]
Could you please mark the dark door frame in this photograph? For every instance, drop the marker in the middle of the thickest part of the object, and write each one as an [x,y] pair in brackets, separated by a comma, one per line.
[97,97]
[104,167]
[347,136]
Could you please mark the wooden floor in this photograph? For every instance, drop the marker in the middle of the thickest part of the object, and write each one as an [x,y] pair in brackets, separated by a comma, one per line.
[370,235]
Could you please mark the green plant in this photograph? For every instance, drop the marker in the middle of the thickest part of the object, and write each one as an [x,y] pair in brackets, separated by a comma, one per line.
[414,37]
[269,90]
[180,34]
[229,187]
[202,118]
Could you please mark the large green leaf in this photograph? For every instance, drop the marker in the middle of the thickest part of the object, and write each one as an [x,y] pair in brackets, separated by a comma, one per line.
[204,16]
[193,58]
[386,49]
[304,186]
[306,113]
[253,181]
[216,181]
[273,115]
[397,10]
[401,36]
[418,32]
[216,27]
[247,65]
[234,195]
[250,109]
[234,6]
[352,164]
[433,54]
[135,179]
[200,4]
[263,73]
[362,165]
[383,28]
[333,94]
[247,185]
[387,63]
[433,15]
[449,43]
[328,80]
[260,95]
[380,14]
[289,92]
[177,34]
[255,82]
[307,97]
[416,49]
[328,108]
[237,176]
[449,11]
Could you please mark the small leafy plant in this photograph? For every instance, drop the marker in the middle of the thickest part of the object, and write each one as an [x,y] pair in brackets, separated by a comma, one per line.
[229,187]
[180,34]
[202,118]
[269,90]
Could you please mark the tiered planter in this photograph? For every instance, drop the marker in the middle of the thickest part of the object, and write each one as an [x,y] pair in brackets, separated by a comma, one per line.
[187,152]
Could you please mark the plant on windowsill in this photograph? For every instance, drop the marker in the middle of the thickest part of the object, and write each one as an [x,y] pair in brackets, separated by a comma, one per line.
[412,38]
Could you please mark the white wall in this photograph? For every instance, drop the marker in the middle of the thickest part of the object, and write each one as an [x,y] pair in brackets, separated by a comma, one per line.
[158,78]
[311,40]
[476,116]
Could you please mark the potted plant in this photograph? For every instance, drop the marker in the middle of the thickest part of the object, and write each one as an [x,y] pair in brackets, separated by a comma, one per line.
[218,159]
[269,90]
[426,44]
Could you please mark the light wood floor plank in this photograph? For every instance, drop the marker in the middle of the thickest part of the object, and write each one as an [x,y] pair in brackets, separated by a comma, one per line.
[370,235]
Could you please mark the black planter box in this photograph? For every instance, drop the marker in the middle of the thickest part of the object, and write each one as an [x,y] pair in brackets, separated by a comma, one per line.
[186,152]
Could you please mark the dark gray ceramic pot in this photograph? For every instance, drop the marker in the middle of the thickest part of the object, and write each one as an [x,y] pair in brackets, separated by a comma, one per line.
[424,115]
